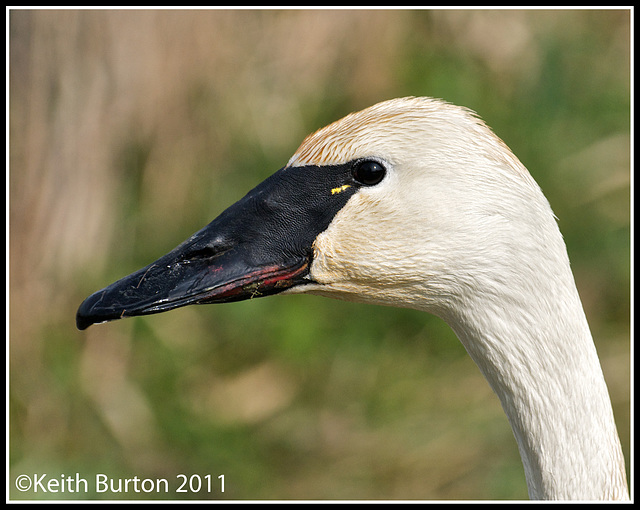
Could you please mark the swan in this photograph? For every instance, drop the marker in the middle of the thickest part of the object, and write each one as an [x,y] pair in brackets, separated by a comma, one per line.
[415,202]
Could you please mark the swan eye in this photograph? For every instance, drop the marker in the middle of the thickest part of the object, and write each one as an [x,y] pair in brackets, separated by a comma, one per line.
[368,172]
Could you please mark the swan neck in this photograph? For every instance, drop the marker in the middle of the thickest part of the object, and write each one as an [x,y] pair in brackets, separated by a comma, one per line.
[551,387]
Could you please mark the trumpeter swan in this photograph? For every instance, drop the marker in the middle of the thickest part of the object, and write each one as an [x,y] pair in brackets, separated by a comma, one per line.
[414,202]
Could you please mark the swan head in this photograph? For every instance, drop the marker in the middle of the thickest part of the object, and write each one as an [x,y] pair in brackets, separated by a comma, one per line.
[416,203]
[451,207]
[410,202]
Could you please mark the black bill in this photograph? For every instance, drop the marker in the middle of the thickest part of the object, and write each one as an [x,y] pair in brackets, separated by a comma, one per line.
[259,246]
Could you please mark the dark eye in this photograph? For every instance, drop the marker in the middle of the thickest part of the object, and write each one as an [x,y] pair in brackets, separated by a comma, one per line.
[368,172]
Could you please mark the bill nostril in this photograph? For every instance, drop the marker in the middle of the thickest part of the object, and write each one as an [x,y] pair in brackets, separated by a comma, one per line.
[207,251]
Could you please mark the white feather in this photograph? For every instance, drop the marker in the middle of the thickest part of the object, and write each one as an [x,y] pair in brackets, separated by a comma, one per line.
[460,229]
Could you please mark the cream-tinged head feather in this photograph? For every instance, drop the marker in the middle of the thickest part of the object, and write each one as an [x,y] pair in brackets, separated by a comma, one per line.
[394,125]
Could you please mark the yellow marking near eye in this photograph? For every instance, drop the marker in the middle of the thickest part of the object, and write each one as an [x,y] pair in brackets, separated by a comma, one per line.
[340,189]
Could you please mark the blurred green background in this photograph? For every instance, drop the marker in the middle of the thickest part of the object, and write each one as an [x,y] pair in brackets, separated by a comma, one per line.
[130,130]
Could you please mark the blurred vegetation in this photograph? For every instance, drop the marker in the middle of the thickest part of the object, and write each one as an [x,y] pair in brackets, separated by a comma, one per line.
[129,130]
